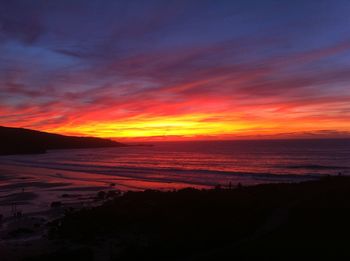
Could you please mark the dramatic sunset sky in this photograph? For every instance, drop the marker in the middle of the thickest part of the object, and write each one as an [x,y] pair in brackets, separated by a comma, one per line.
[176,69]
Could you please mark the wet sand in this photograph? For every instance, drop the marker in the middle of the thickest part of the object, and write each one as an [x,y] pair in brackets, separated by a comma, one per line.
[28,196]
[31,189]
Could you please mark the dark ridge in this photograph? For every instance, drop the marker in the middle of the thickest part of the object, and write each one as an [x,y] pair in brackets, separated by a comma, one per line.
[25,141]
[308,219]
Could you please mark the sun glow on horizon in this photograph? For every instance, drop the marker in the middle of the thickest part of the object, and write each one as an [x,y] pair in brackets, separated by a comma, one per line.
[160,72]
[199,126]
[185,126]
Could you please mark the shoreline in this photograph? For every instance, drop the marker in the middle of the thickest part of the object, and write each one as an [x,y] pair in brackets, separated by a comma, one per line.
[145,210]
[37,187]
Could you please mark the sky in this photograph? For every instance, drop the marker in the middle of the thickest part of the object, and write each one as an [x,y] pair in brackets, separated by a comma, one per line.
[174,70]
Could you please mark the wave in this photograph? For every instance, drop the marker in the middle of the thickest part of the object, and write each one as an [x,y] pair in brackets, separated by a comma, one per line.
[170,175]
[315,167]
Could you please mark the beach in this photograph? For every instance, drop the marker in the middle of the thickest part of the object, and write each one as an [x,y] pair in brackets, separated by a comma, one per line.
[33,182]
[308,218]
[38,190]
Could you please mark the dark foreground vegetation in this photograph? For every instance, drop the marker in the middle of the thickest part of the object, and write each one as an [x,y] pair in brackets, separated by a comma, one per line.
[280,221]
[24,141]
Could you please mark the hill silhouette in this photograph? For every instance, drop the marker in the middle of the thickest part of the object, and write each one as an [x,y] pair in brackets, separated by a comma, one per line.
[25,141]
[263,222]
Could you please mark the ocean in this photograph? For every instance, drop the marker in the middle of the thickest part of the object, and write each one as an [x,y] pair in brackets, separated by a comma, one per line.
[58,174]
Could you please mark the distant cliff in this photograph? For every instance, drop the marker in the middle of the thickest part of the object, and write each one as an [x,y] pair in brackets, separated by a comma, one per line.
[25,141]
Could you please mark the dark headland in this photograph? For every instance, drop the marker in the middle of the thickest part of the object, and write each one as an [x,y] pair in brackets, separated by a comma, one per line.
[25,141]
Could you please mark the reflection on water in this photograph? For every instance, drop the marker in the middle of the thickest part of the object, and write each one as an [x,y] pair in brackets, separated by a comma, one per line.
[172,165]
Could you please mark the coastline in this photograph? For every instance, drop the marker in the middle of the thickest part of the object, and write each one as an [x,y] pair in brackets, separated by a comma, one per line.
[213,220]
